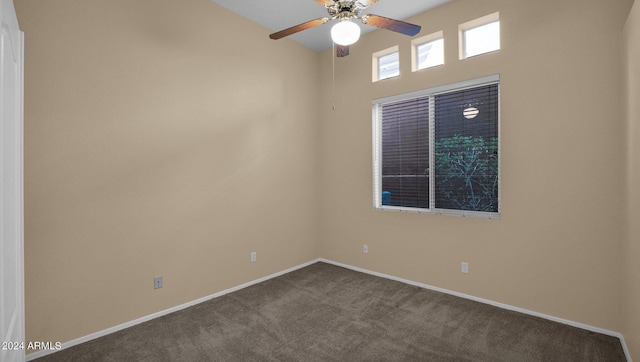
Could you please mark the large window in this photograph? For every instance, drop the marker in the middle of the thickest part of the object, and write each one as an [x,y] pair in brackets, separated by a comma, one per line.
[437,150]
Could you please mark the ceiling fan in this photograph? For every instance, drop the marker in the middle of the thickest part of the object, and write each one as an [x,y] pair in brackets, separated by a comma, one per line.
[345,32]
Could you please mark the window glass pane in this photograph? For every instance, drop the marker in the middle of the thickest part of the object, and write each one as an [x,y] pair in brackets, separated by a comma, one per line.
[389,66]
[430,54]
[466,149]
[482,39]
[405,153]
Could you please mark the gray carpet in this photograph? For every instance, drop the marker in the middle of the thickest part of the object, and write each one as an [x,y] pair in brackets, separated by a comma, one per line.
[326,313]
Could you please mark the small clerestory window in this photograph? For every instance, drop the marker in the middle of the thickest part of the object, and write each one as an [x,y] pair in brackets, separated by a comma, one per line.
[386,64]
[479,36]
[427,51]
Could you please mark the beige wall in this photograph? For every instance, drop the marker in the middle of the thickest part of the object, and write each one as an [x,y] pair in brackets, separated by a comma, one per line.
[631,248]
[162,137]
[556,249]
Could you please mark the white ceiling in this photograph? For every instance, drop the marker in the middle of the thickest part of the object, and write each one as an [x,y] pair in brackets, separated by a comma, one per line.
[281,14]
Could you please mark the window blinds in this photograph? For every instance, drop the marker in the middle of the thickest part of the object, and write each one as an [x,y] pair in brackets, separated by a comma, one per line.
[405,152]
[438,151]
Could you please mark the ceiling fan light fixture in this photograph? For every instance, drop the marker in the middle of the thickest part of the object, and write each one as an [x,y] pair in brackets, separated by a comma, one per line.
[345,32]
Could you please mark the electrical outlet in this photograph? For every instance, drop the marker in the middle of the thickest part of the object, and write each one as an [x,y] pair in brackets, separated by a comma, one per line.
[464,267]
[157,282]
[365,248]
[253,256]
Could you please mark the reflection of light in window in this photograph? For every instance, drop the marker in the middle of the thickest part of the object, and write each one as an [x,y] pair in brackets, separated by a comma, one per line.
[482,39]
[470,113]
[389,66]
[431,54]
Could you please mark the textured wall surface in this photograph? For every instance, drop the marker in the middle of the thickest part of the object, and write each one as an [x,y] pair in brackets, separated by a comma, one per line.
[556,249]
[162,138]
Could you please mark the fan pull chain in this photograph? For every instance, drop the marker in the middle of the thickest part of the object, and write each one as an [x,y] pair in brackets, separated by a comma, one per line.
[333,76]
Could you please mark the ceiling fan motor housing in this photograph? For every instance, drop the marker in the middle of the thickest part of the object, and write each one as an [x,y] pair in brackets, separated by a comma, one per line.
[345,9]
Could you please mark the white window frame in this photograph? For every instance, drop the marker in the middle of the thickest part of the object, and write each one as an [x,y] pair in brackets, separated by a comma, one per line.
[415,43]
[473,24]
[375,62]
[377,147]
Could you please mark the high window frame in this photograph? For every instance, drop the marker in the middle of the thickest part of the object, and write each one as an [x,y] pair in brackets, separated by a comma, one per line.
[434,56]
[428,99]
[472,36]
[379,64]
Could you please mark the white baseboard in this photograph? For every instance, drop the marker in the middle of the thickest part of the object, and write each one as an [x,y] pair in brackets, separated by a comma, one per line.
[149,317]
[490,302]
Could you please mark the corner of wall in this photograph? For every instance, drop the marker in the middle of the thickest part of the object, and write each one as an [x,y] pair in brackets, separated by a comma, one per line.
[631,245]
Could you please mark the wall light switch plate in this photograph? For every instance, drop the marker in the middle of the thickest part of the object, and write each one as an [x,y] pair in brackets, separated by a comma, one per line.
[464,267]
[253,256]
[157,282]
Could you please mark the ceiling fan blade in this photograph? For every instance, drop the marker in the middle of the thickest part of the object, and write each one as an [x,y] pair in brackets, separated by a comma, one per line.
[342,50]
[367,2]
[297,28]
[325,2]
[391,24]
